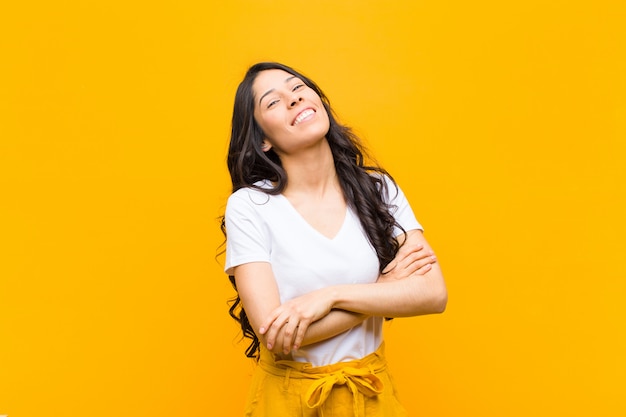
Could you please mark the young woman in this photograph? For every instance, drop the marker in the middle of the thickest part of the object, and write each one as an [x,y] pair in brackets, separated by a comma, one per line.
[320,248]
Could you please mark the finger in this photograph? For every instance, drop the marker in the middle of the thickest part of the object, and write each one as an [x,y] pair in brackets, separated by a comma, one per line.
[427,260]
[302,328]
[289,333]
[418,264]
[423,270]
[414,252]
[405,251]
[408,250]
[420,253]
[273,331]
[390,266]
[269,321]
[281,340]
[418,259]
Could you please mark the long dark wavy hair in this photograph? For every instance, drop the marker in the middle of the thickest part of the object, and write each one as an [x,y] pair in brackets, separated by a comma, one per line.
[248,163]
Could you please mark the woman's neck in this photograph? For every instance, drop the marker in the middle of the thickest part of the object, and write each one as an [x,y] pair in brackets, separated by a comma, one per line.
[311,172]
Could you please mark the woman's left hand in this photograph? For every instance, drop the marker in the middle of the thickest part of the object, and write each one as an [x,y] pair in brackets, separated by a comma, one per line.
[411,259]
[291,320]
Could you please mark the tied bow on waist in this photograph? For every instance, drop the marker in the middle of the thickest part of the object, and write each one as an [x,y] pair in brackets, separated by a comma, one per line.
[360,382]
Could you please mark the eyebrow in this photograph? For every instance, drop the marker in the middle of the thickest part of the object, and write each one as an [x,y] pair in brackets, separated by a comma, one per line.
[270,91]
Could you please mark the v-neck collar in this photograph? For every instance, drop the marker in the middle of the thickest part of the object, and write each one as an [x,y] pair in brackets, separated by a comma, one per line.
[301,218]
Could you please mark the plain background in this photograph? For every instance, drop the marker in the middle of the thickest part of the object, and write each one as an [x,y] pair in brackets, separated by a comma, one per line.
[504,122]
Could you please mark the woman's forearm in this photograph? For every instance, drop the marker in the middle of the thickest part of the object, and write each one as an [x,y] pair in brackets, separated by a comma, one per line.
[421,292]
[413,285]
[334,323]
[413,296]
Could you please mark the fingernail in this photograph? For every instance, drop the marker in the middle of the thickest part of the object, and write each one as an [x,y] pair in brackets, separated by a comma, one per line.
[262,330]
[296,347]
[269,346]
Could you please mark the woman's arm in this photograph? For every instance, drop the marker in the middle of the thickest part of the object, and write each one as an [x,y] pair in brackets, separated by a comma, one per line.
[414,296]
[259,294]
[395,295]
[332,324]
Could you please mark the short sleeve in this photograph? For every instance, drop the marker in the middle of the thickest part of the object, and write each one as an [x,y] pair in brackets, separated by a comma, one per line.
[400,208]
[247,235]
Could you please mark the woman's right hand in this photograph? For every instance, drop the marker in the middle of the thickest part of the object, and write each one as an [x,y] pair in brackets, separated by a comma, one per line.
[410,260]
[287,324]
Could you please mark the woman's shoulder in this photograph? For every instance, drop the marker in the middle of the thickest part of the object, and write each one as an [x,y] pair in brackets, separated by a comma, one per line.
[383,176]
[255,194]
[387,186]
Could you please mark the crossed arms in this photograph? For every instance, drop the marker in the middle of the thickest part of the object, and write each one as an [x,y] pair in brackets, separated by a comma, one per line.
[411,285]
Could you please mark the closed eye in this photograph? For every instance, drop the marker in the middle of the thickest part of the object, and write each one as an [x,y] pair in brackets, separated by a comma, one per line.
[271,103]
[297,87]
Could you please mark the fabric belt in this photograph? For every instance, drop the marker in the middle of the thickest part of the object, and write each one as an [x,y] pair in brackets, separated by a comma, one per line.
[359,376]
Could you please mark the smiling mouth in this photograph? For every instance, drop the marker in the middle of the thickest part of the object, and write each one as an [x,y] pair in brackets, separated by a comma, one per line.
[303,116]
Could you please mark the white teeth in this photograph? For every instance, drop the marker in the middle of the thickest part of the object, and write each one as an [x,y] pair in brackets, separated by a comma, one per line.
[303,115]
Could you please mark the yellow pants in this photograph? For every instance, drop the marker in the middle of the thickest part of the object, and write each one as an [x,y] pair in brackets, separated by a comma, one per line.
[360,388]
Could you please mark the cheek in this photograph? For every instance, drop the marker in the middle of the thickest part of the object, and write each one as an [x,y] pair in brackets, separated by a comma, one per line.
[326,119]
[272,125]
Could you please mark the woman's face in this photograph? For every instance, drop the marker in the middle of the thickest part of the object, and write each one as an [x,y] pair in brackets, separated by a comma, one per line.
[290,113]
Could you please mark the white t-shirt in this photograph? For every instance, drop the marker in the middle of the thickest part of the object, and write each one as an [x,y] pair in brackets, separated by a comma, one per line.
[267,228]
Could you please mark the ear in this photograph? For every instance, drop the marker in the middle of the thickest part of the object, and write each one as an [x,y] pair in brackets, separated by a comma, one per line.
[265,145]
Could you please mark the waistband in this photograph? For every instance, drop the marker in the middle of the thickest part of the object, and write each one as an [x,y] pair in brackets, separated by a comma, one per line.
[358,375]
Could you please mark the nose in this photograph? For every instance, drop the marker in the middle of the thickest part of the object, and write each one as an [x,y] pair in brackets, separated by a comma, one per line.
[294,101]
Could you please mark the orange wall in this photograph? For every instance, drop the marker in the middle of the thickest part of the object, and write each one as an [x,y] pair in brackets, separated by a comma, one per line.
[504,122]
